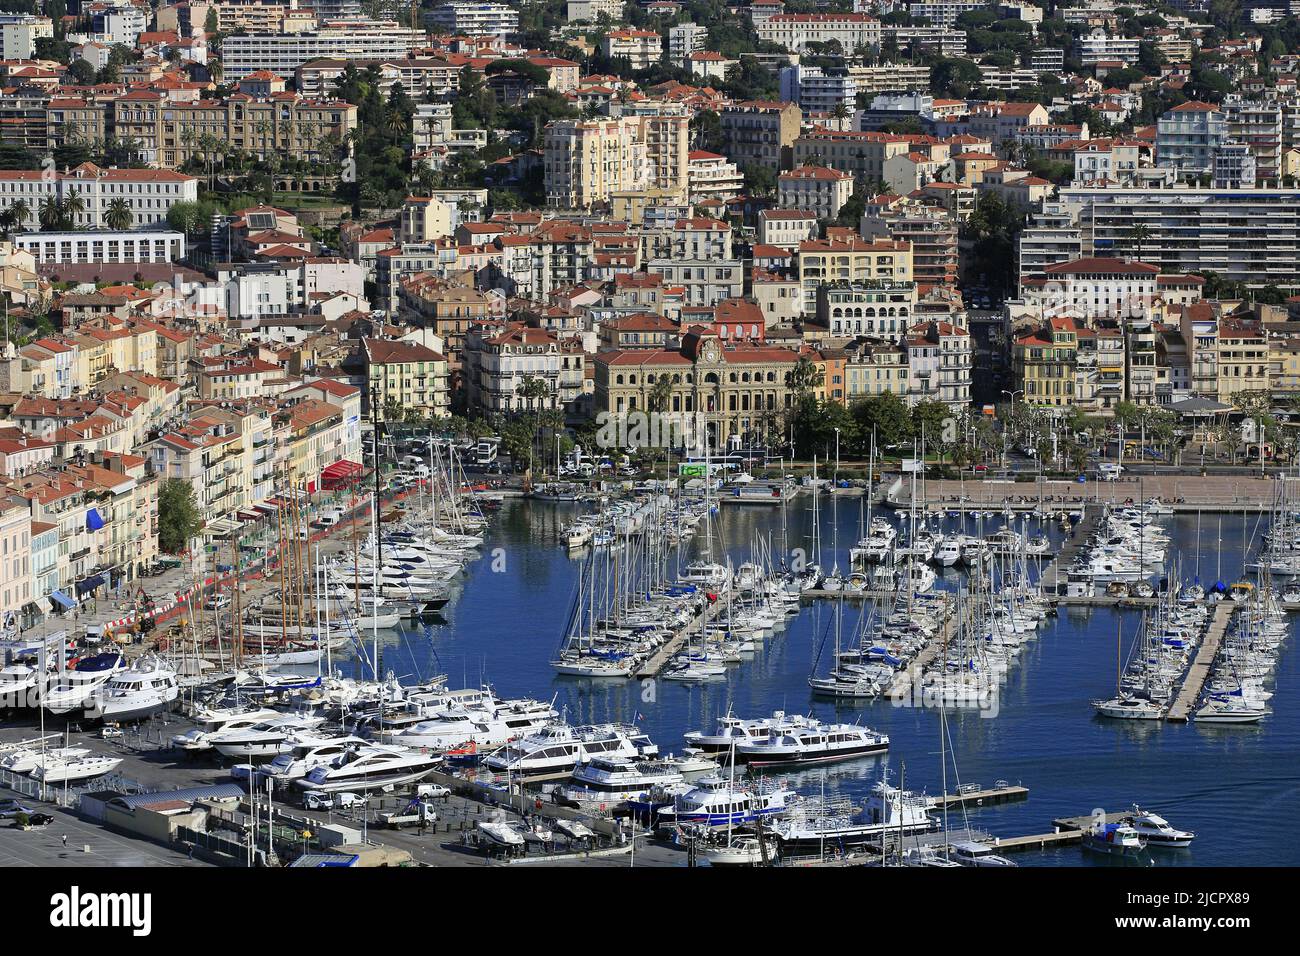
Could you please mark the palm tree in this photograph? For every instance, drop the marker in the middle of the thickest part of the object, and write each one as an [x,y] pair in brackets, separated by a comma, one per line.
[51,214]
[118,215]
[73,207]
[6,223]
[805,377]
[21,213]
[1138,234]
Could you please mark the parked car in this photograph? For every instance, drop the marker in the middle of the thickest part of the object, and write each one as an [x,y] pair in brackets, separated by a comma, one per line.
[432,791]
[9,807]
[39,820]
[218,601]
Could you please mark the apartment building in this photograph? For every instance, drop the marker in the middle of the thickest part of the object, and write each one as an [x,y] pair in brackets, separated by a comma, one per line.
[19,33]
[931,232]
[816,189]
[474,19]
[883,309]
[498,363]
[760,133]
[1187,137]
[712,176]
[1101,47]
[1044,364]
[148,193]
[641,48]
[851,260]
[586,161]
[407,375]
[819,90]
[279,123]
[939,362]
[283,53]
[862,155]
[1258,126]
[854,32]
[1243,235]
[786,228]
[104,245]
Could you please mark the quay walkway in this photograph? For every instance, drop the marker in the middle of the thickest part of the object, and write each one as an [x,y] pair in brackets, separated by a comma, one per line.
[1053,575]
[901,687]
[656,661]
[1199,670]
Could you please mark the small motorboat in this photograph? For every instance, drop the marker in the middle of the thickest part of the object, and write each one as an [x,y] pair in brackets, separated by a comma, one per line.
[1114,839]
[741,851]
[1156,830]
[969,853]
[574,830]
[500,834]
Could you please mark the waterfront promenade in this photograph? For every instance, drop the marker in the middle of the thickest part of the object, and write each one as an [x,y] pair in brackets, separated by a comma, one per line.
[1231,493]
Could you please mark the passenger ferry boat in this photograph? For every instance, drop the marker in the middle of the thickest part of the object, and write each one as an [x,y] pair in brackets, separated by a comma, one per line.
[734,732]
[615,780]
[559,748]
[814,827]
[814,743]
[715,802]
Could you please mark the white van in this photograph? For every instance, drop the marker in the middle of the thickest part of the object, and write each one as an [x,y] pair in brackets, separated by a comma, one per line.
[1109,470]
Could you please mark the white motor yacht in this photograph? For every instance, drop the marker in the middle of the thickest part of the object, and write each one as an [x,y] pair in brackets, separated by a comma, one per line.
[147,687]
[370,768]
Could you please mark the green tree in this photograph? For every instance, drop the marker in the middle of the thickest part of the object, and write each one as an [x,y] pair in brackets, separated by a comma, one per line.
[178,515]
[118,215]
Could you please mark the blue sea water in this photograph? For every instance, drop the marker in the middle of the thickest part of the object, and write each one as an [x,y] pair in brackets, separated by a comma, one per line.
[1235,786]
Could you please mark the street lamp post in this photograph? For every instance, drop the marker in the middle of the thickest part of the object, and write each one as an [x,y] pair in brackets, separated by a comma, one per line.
[1006,425]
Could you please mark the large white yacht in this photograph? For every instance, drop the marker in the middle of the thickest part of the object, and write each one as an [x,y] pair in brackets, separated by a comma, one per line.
[558,748]
[147,687]
[370,768]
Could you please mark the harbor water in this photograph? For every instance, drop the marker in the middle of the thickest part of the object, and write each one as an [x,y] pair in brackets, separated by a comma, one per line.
[1234,785]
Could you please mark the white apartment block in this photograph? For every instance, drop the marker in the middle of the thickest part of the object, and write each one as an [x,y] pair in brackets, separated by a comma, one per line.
[148,193]
[641,48]
[786,228]
[119,24]
[794,31]
[19,33]
[685,39]
[1243,235]
[589,10]
[1100,46]
[817,91]
[712,176]
[475,19]
[940,14]
[143,245]
[242,54]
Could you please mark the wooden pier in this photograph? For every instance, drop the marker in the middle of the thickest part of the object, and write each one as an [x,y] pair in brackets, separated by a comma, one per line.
[1053,575]
[980,798]
[901,687]
[1197,673]
[1067,830]
[656,661]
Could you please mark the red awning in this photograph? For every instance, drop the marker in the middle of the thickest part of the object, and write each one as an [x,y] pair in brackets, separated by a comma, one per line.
[342,469]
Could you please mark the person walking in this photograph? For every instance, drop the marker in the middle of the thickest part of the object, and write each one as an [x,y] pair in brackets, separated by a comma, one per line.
[65,841]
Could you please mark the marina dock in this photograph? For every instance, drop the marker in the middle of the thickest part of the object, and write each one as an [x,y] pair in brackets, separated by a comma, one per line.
[656,661]
[1053,574]
[982,797]
[1067,830]
[1199,670]
[901,688]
